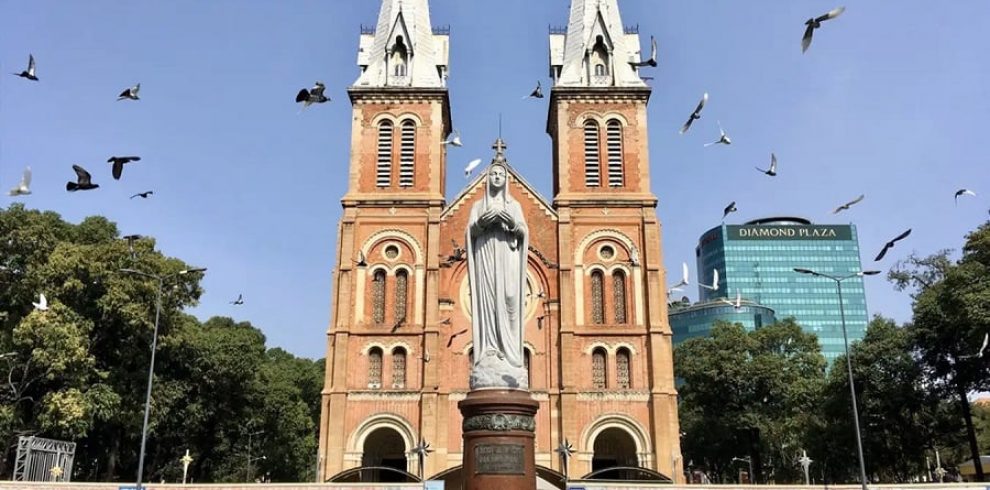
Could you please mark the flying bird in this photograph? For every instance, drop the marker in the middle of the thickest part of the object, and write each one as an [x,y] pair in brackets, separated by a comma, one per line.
[963,192]
[714,286]
[450,341]
[118,164]
[738,304]
[29,73]
[890,244]
[473,164]
[239,300]
[849,204]
[313,95]
[361,262]
[537,92]
[458,254]
[84,181]
[731,208]
[723,138]
[696,114]
[24,188]
[986,340]
[772,171]
[454,139]
[684,279]
[816,22]
[653,56]
[42,304]
[131,93]
[143,195]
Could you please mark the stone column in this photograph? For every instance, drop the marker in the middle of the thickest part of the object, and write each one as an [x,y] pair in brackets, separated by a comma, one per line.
[499,434]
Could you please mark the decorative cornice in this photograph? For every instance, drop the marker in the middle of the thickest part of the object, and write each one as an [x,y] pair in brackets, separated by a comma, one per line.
[379,95]
[624,396]
[499,422]
[391,396]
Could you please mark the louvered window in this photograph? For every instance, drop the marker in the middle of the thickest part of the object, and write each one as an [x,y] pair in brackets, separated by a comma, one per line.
[407,154]
[383,175]
[622,369]
[614,145]
[375,368]
[399,368]
[592,168]
[598,374]
[597,298]
[619,296]
[378,297]
[401,295]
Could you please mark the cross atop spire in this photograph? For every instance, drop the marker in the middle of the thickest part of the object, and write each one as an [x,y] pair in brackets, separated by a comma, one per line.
[402,50]
[596,49]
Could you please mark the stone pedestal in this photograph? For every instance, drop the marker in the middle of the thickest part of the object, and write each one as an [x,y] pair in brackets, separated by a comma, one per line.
[499,434]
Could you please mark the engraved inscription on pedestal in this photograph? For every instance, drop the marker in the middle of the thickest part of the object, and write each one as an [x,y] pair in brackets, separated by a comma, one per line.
[499,459]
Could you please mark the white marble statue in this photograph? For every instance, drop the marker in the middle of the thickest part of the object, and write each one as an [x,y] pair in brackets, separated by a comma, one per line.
[497,247]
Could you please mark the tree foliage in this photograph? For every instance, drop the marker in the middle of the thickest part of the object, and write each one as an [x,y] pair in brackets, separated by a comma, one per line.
[78,371]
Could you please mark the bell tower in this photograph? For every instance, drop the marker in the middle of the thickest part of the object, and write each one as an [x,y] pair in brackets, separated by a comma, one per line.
[384,294]
[612,299]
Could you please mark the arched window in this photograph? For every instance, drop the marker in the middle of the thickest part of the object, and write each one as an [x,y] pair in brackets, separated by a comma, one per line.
[598,373]
[375,368]
[399,58]
[383,175]
[399,368]
[619,296]
[407,153]
[401,295]
[597,298]
[600,70]
[378,297]
[622,369]
[614,146]
[592,165]
[599,58]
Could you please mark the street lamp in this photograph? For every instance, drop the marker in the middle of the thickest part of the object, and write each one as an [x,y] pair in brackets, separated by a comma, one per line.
[845,343]
[185,465]
[805,462]
[154,347]
[249,458]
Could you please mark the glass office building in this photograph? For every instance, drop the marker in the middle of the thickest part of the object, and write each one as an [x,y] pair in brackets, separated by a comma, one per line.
[758,259]
[688,321]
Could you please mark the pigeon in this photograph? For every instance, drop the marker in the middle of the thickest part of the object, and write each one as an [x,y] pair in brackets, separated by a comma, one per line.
[131,93]
[714,286]
[537,93]
[29,73]
[450,341]
[118,164]
[738,304]
[696,114]
[42,304]
[815,23]
[772,171]
[723,138]
[143,195]
[239,300]
[361,262]
[473,164]
[983,348]
[454,139]
[963,192]
[24,188]
[684,279]
[731,208]
[890,244]
[313,95]
[849,204]
[84,181]
[652,62]
[458,254]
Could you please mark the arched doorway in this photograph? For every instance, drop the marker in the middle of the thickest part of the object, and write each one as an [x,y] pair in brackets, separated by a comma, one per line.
[613,447]
[385,447]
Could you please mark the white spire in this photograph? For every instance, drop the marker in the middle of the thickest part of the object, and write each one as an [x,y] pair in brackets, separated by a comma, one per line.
[403,51]
[595,51]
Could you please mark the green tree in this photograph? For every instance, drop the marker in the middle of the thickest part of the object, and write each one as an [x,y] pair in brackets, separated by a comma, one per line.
[749,395]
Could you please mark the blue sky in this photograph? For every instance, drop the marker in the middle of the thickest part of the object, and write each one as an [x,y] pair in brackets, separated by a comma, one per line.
[891,101]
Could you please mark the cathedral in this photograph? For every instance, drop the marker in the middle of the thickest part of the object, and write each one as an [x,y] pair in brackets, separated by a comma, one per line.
[597,344]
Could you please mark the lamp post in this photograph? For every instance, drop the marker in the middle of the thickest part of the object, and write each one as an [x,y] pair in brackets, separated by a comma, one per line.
[249,458]
[805,464]
[154,347]
[185,465]
[845,343]
[750,461]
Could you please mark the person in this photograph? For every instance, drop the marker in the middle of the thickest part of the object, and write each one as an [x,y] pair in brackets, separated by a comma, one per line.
[497,248]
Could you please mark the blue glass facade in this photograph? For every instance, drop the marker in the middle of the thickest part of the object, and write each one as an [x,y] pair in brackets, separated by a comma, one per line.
[697,320]
[758,259]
